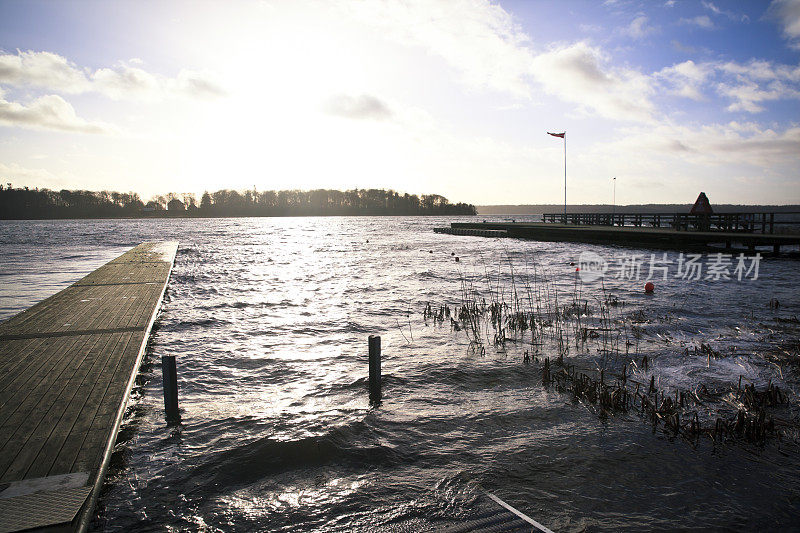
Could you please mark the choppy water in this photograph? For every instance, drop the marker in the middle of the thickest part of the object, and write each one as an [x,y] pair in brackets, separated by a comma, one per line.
[269,321]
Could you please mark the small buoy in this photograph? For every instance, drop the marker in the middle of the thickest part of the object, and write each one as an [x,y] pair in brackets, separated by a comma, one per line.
[430,251]
[577,269]
[456,259]
[452,253]
[367,241]
[571,264]
[649,287]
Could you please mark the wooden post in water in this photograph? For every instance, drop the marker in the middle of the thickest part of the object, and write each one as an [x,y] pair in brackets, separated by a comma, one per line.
[169,374]
[374,368]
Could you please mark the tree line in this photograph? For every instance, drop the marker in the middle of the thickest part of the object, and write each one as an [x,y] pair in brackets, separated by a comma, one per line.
[26,203]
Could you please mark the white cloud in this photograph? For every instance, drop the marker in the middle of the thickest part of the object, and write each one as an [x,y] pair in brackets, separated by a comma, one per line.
[787,12]
[750,84]
[715,144]
[722,12]
[49,112]
[482,42]
[42,69]
[748,96]
[479,39]
[725,160]
[124,81]
[197,84]
[580,74]
[762,70]
[357,107]
[639,28]
[491,52]
[702,21]
[711,7]
[746,85]
[685,79]
[20,176]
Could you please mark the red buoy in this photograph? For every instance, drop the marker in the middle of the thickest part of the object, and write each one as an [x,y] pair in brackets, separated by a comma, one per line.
[649,287]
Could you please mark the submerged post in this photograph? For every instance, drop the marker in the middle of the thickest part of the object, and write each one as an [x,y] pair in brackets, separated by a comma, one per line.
[169,374]
[374,368]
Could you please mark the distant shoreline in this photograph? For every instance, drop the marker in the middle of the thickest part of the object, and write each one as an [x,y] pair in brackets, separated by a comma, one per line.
[151,216]
[538,209]
[44,204]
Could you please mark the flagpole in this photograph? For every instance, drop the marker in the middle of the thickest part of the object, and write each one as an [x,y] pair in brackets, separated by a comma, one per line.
[563,136]
[565,176]
[614,201]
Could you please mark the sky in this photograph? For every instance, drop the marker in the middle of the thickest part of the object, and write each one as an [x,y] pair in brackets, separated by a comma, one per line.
[452,97]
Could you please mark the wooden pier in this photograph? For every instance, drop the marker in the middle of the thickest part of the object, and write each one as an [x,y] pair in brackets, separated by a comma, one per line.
[67,366]
[638,236]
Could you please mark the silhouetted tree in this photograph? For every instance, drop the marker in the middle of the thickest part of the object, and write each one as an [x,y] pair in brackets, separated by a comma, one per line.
[26,204]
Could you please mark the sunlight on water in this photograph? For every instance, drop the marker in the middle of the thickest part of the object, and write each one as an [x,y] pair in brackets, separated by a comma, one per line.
[269,321]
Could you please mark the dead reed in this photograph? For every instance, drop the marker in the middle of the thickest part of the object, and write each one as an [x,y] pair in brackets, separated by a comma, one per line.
[554,321]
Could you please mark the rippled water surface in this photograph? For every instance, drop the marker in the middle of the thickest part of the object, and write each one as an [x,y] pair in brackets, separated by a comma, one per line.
[269,321]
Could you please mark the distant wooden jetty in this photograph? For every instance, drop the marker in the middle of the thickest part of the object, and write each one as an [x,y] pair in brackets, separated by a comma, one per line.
[67,366]
[743,231]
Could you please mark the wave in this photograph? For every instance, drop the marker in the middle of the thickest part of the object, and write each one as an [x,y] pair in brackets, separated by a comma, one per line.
[185,325]
[353,444]
[238,304]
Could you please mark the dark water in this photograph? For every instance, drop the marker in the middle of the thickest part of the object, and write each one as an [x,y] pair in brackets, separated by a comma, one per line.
[269,321]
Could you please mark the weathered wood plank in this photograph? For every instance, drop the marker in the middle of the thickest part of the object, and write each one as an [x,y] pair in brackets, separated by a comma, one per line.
[25,391]
[90,390]
[75,398]
[67,365]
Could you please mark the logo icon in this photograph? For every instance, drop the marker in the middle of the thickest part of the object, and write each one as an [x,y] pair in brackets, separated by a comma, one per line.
[592,266]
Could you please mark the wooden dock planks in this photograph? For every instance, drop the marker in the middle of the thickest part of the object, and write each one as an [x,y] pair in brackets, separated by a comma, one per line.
[66,368]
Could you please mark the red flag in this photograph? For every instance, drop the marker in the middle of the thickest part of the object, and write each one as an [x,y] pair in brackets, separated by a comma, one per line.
[557,134]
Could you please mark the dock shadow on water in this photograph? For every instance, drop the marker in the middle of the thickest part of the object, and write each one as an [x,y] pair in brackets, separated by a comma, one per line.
[588,406]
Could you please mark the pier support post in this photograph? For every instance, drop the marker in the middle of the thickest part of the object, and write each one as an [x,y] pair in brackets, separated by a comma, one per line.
[169,374]
[374,369]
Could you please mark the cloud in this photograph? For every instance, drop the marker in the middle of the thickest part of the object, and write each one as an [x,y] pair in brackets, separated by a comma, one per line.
[746,85]
[580,74]
[123,81]
[484,44]
[639,28]
[680,47]
[477,38]
[750,84]
[490,52]
[711,145]
[43,69]
[21,176]
[357,107]
[748,96]
[49,112]
[701,21]
[787,13]
[685,79]
[197,84]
